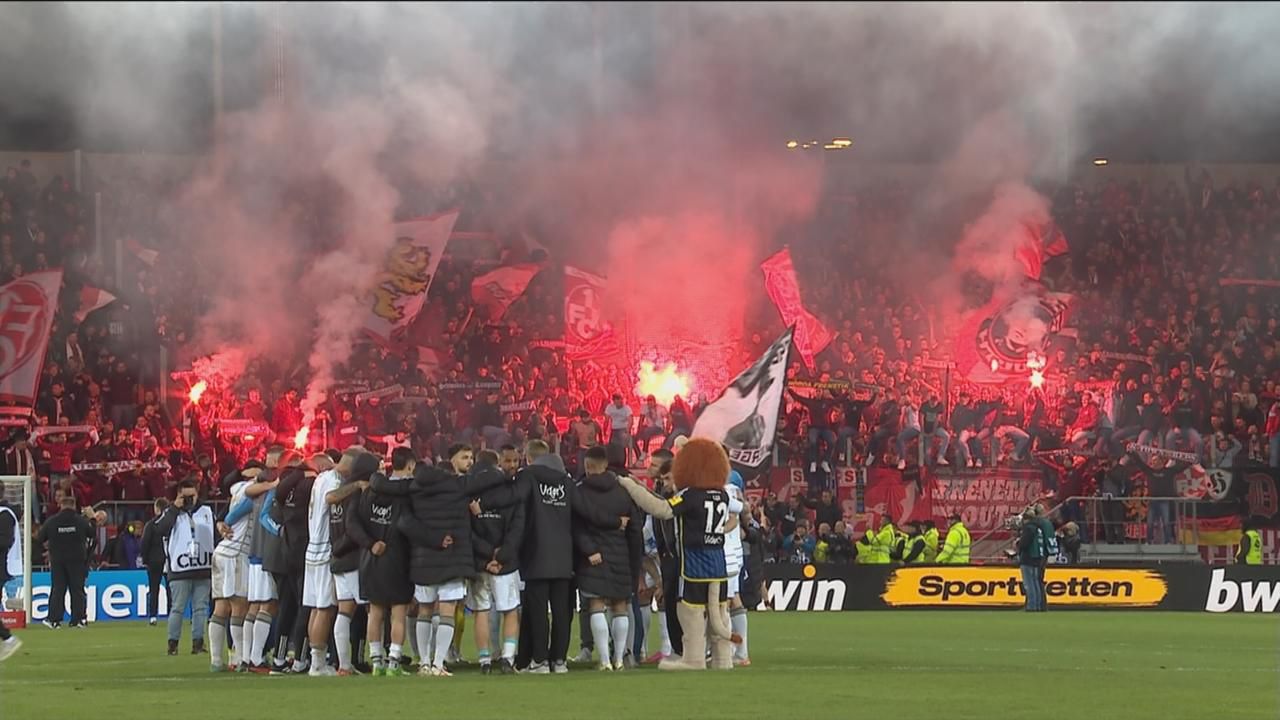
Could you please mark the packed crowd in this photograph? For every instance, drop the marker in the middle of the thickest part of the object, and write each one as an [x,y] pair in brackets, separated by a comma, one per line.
[1144,265]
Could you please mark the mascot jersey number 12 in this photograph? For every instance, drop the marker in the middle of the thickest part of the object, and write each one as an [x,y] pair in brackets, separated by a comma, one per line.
[701,511]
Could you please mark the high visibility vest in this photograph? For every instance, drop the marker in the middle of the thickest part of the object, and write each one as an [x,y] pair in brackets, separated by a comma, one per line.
[930,545]
[884,540]
[956,548]
[909,545]
[867,552]
[1254,556]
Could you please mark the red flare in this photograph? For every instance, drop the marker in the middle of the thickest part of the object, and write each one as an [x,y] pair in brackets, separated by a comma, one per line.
[197,391]
[663,384]
[300,438]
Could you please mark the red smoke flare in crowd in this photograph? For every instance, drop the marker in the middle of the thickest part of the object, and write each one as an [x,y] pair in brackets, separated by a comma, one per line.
[663,384]
[300,438]
[196,391]
[1037,379]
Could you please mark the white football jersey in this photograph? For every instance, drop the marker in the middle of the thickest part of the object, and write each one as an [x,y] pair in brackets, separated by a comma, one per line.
[318,549]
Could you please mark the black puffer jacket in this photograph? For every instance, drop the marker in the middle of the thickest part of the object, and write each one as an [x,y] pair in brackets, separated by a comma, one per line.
[620,550]
[384,578]
[291,505]
[438,508]
[498,531]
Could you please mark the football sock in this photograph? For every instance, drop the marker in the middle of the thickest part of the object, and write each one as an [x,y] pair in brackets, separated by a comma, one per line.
[600,634]
[396,651]
[261,634]
[217,641]
[424,635]
[738,623]
[444,639]
[621,624]
[375,653]
[509,648]
[666,634]
[342,636]
[238,649]
[646,620]
[319,657]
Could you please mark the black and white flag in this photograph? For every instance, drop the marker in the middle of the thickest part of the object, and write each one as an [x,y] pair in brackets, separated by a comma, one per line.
[745,416]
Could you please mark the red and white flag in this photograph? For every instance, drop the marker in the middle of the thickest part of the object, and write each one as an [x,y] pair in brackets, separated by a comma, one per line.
[498,289]
[587,335]
[92,298]
[27,306]
[411,264]
[811,336]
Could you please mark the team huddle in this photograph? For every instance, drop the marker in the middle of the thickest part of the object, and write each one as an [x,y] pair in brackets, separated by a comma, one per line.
[310,547]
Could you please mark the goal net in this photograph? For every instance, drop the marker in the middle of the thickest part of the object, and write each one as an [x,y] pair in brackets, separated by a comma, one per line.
[19,497]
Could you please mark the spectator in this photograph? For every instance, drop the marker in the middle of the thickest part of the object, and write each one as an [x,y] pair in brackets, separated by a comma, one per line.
[653,424]
[799,546]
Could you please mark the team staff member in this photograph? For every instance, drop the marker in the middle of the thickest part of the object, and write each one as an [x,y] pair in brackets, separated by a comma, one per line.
[955,550]
[152,550]
[1250,552]
[67,536]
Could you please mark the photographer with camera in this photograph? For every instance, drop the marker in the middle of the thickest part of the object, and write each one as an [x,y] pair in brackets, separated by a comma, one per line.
[1033,553]
[839,545]
[187,526]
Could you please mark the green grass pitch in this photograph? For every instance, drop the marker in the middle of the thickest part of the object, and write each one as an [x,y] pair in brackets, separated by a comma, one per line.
[901,665]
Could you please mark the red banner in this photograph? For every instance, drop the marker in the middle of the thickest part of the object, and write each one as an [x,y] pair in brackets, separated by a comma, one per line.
[984,498]
[586,334]
[994,343]
[902,498]
[27,306]
[811,335]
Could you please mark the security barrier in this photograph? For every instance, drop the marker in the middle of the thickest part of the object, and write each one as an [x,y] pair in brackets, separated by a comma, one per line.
[1236,588]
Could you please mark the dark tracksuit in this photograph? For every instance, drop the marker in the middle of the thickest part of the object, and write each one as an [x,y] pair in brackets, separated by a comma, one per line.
[664,535]
[153,558]
[68,537]
[546,558]
[286,561]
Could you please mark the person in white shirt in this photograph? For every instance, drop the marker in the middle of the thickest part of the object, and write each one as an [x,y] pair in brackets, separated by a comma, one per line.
[910,426]
[231,574]
[318,590]
[619,414]
[653,423]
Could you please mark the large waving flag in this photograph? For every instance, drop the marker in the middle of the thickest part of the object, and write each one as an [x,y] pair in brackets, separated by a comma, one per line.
[1037,244]
[498,289]
[92,298]
[587,335]
[27,306]
[745,416]
[411,264]
[811,335]
[995,342]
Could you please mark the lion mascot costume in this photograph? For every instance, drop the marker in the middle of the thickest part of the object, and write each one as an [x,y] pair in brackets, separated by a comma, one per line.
[701,509]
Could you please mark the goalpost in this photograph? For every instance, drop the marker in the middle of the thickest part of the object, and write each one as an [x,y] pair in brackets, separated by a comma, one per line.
[19,494]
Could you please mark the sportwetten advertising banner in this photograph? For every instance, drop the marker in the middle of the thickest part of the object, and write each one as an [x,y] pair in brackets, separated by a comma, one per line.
[1177,587]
